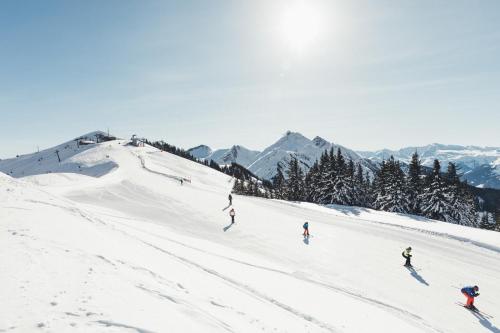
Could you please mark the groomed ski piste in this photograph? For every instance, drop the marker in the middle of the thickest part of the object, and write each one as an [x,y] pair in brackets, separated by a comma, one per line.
[110,241]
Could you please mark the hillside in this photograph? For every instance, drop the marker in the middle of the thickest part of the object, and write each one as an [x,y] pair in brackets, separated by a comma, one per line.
[130,249]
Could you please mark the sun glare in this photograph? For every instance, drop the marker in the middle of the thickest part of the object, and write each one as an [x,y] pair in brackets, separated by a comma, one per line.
[301,26]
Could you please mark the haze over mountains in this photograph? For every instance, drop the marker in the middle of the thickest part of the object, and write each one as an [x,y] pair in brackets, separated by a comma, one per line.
[480,166]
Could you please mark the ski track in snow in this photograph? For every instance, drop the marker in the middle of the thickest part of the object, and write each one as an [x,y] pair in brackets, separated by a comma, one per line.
[212,272]
[393,309]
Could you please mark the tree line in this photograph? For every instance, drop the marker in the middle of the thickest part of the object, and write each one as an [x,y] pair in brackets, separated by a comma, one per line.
[437,194]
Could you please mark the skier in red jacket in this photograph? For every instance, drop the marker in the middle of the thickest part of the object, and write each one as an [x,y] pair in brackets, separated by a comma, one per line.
[470,293]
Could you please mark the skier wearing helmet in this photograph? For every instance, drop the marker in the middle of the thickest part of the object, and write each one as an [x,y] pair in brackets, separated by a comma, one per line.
[470,293]
[407,255]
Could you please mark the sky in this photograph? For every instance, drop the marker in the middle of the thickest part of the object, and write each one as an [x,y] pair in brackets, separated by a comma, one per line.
[364,74]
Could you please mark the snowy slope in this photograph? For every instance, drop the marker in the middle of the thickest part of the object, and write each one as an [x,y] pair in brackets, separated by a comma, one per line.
[479,164]
[74,158]
[133,250]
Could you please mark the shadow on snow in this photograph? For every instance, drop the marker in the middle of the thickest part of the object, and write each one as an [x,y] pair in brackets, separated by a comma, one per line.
[485,322]
[417,276]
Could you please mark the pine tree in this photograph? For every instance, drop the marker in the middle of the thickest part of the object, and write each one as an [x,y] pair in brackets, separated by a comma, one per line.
[415,184]
[434,198]
[497,219]
[279,183]
[310,183]
[295,181]
[328,177]
[487,221]
[237,187]
[359,187]
[392,195]
[341,194]
[460,199]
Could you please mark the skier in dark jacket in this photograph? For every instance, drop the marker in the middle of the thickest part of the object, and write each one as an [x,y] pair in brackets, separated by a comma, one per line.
[407,255]
[306,229]
[230,197]
[232,213]
[470,293]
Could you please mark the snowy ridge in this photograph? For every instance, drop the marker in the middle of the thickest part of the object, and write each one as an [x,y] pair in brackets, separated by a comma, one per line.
[479,165]
[74,158]
[85,253]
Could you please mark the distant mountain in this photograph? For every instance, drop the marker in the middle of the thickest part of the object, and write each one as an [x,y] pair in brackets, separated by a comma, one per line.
[200,151]
[264,164]
[237,154]
[480,166]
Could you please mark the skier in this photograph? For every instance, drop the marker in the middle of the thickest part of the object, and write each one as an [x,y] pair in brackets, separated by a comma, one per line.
[407,255]
[230,197]
[470,293]
[232,213]
[182,181]
[306,229]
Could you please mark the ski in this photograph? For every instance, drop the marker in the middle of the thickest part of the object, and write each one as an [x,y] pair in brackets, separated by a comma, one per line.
[476,310]
[412,268]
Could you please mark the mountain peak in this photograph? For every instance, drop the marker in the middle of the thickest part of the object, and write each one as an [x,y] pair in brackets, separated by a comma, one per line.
[201,151]
[320,142]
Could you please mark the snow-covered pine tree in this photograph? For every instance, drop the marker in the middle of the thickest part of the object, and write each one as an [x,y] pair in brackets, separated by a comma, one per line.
[435,199]
[341,195]
[359,187]
[238,187]
[415,183]
[311,182]
[497,220]
[295,181]
[461,200]
[279,183]
[319,179]
[393,196]
[487,221]
[378,188]
[328,177]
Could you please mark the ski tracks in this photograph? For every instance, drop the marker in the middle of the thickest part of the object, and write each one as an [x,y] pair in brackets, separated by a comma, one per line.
[248,289]
[391,308]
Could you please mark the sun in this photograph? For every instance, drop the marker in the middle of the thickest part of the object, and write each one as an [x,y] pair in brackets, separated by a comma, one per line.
[301,25]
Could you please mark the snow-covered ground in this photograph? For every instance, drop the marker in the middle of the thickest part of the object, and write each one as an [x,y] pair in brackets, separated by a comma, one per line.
[129,249]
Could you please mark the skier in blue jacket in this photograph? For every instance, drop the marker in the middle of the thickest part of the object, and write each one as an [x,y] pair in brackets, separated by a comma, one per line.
[470,293]
[306,229]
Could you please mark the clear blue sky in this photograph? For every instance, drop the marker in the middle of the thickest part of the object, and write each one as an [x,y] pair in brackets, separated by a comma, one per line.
[370,75]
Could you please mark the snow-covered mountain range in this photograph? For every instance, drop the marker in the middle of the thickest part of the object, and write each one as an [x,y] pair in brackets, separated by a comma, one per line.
[236,153]
[264,164]
[479,165]
[109,240]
